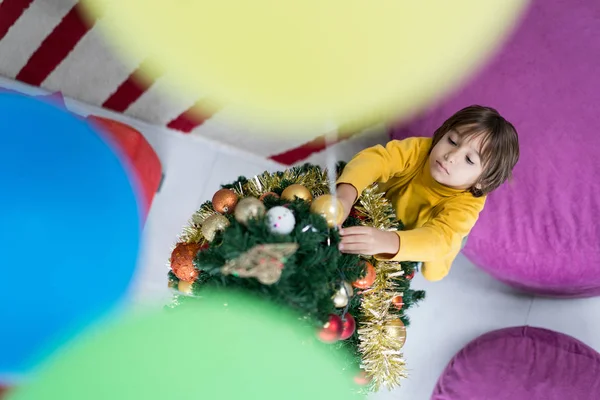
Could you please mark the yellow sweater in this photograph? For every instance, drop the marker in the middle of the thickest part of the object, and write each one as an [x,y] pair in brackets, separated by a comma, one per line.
[436,218]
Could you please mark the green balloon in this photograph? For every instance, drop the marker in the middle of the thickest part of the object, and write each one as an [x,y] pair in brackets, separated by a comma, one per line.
[219,347]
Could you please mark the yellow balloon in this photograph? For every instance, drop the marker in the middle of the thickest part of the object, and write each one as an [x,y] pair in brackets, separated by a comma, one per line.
[309,63]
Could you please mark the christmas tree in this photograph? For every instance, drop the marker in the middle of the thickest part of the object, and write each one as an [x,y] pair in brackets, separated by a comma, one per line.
[275,235]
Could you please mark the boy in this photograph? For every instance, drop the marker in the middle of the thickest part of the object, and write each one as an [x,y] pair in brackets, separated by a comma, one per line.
[437,186]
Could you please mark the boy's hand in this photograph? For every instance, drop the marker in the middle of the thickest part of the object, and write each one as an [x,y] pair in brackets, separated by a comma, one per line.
[347,195]
[368,241]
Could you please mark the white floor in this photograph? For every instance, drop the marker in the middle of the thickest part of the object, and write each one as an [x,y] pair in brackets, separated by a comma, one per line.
[464,305]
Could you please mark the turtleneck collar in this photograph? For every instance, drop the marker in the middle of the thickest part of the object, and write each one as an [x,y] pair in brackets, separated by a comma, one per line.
[433,185]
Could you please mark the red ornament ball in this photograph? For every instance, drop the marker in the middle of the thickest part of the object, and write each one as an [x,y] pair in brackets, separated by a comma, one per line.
[398,302]
[348,326]
[182,261]
[362,378]
[355,214]
[411,275]
[332,330]
[369,278]
[224,201]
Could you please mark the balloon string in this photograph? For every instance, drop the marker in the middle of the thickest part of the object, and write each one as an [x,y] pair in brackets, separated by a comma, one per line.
[331,161]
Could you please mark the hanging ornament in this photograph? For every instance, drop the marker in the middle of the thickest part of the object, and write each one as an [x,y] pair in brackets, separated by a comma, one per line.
[355,214]
[330,208]
[265,195]
[247,208]
[264,262]
[332,330]
[398,302]
[295,191]
[185,287]
[396,330]
[212,225]
[224,201]
[343,295]
[348,326]
[182,261]
[369,278]
[411,275]
[281,220]
[362,378]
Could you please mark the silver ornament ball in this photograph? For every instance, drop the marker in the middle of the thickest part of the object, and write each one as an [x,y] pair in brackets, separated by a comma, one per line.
[343,295]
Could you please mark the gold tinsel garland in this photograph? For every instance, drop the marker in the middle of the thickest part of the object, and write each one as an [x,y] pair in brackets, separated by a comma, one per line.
[381,354]
[382,357]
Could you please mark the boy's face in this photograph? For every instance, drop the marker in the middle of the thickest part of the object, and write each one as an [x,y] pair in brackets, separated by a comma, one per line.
[455,162]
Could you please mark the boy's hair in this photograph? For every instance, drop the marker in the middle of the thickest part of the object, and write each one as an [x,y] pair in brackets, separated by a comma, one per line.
[499,146]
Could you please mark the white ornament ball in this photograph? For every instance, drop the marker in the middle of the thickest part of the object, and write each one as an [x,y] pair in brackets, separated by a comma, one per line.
[281,220]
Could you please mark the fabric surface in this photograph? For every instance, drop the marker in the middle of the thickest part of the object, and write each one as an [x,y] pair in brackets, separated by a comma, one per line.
[436,217]
[539,233]
[521,363]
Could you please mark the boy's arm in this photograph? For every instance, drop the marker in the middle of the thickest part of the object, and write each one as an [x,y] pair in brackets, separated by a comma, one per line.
[379,164]
[436,270]
[441,237]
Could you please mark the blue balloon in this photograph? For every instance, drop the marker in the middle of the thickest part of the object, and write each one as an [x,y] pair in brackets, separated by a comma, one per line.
[69,230]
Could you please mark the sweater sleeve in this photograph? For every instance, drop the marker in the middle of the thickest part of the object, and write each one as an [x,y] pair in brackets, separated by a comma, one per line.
[379,164]
[440,238]
[436,270]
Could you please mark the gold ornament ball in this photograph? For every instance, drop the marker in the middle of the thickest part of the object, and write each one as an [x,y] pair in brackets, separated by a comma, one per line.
[330,208]
[296,191]
[247,208]
[212,225]
[343,295]
[396,329]
[185,287]
[224,201]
